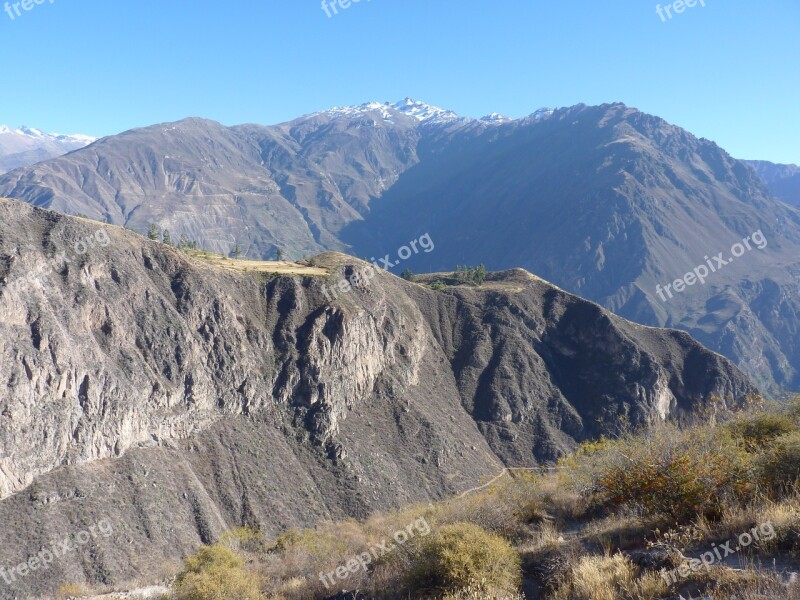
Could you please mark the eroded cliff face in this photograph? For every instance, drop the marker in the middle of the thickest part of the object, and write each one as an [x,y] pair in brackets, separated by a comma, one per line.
[103,357]
[178,399]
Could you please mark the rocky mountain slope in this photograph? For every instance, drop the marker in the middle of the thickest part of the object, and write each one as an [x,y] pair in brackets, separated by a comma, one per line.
[606,202]
[171,399]
[26,146]
[613,204]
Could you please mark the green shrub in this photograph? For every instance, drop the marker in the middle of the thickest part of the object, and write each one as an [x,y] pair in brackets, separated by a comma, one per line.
[476,275]
[247,539]
[321,544]
[758,430]
[216,573]
[780,463]
[464,555]
[212,556]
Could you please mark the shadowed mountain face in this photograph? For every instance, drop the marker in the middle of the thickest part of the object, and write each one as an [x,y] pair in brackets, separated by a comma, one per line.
[783,181]
[290,187]
[610,203]
[606,202]
[175,399]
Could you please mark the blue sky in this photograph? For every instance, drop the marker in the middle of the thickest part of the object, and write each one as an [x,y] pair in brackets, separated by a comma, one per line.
[728,71]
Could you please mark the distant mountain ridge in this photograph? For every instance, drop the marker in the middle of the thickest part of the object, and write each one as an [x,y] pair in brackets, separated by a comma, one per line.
[25,146]
[783,181]
[603,201]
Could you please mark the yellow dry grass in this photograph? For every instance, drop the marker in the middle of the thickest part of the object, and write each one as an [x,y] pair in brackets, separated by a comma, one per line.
[243,265]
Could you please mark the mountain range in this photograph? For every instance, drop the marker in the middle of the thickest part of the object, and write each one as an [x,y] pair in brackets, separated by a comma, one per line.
[605,202]
[173,396]
[783,181]
[26,146]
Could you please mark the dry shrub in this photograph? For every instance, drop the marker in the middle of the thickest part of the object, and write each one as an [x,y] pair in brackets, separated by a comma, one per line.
[785,519]
[564,494]
[783,515]
[463,557]
[667,473]
[780,464]
[382,525]
[505,507]
[728,584]
[72,590]
[293,563]
[546,535]
[481,595]
[609,577]
[245,539]
[757,430]
[648,586]
[597,578]
[216,573]
[618,531]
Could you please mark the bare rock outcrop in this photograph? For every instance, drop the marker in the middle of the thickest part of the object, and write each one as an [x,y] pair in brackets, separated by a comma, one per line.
[176,399]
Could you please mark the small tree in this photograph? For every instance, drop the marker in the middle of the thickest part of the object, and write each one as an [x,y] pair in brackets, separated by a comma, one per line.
[167,238]
[278,254]
[479,275]
[153,233]
[237,251]
[407,275]
[476,275]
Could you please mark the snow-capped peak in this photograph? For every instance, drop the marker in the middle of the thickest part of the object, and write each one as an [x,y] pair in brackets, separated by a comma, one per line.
[425,113]
[495,118]
[32,133]
[361,110]
[74,137]
[37,135]
[24,146]
[542,113]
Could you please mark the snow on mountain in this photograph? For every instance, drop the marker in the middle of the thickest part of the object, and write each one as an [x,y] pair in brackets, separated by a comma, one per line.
[495,118]
[25,146]
[426,114]
[542,113]
[359,111]
[24,135]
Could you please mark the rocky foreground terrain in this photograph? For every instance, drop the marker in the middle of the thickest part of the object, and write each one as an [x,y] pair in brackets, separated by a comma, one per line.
[172,397]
